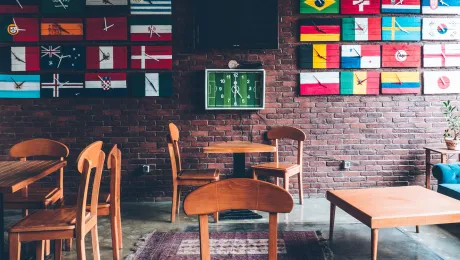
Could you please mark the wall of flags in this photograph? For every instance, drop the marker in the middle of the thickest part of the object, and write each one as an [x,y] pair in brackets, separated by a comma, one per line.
[85,48]
[391,48]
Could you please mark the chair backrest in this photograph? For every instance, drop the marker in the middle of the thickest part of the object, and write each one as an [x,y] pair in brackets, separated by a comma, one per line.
[91,158]
[39,147]
[174,153]
[238,194]
[287,132]
[114,164]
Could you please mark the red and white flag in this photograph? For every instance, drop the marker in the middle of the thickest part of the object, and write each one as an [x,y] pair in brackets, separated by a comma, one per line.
[25,58]
[151,57]
[106,57]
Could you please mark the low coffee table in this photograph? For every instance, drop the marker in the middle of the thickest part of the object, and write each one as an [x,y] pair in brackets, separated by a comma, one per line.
[394,207]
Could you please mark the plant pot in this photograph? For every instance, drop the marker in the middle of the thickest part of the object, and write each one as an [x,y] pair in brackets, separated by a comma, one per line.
[453,144]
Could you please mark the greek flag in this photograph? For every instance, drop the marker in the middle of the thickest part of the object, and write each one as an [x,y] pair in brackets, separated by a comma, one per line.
[150,7]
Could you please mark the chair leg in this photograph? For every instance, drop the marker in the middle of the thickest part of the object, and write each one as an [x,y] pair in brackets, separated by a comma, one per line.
[95,243]
[178,199]
[67,244]
[15,247]
[215,215]
[40,250]
[174,204]
[277,181]
[114,227]
[300,188]
[81,254]
[47,247]
[286,183]
[58,249]
[254,175]
[120,233]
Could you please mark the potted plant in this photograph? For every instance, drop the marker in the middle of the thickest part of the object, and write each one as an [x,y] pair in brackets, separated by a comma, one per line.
[452,133]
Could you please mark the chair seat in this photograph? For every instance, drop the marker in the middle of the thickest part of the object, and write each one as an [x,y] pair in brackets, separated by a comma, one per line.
[48,220]
[201,174]
[273,166]
[37,198]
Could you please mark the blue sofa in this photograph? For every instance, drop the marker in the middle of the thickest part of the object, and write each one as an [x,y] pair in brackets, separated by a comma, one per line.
[448,176]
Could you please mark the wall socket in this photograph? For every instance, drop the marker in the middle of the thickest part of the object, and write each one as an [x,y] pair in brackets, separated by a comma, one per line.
[145,168]
[345,165]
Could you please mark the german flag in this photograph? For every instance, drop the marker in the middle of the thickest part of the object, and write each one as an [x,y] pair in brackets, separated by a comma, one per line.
[320,30]
[61,29]
[319,56]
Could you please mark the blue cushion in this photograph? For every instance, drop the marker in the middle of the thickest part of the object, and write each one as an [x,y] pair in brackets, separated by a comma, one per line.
[447,173]
[451,190]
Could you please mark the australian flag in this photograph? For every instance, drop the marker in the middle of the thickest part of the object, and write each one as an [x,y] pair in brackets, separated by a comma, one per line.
[62,57]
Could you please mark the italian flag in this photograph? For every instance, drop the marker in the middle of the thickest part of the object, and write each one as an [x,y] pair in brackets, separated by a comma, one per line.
[361,29]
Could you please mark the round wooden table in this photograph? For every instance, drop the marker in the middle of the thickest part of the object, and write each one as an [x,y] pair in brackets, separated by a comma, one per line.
[239,150]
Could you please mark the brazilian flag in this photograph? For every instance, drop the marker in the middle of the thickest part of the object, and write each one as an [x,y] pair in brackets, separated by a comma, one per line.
[319,6]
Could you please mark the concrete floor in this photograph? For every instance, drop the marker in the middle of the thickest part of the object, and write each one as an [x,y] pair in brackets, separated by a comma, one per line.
[352,240]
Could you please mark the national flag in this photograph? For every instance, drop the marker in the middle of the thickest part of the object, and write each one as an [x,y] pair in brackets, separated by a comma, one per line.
[61,29]
[319,6]
[441,55]
[106,57]
[18,29]
[441,29]
[360,6]
[359,83]
[20,58]
[396,82]
[319,56]
[401,6]
[360,56]
[63,57]
[151,57]
[19,7]
[61,7]
[162,7]
[401,56]
[106,85]
[361,29]
[106,28]
[151,29]
[319,83]
[150,84]
[98,7]
[441,6]
[62,85]
[401,28]
[19,86]
[316,30]
[441,82]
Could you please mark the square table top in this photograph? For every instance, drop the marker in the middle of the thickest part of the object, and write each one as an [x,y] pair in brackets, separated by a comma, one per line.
[397,206]
[441,150]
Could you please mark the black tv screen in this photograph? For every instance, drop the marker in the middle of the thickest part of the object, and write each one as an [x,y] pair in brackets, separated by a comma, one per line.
[236,24]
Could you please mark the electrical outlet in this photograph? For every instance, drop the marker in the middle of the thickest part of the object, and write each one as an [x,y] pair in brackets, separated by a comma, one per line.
[145,168]
[346,164]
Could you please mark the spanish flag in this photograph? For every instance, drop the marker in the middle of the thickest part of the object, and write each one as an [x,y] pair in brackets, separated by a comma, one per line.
[61,29]
[359,83]
[320,30]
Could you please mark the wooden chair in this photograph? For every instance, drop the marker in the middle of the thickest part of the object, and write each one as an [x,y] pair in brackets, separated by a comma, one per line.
[109,203]
[283,170]
[65,223]
[182,177]
[38,198]
[238,194]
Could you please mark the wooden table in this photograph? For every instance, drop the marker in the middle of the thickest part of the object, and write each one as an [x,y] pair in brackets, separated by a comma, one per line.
[239,150]
[444,154]
[394,207]
[15,175]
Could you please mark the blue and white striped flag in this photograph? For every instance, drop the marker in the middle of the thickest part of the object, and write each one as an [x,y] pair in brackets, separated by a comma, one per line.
[150,7]
[19,86]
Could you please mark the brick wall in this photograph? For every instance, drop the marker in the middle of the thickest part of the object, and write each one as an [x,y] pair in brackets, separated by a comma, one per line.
[383,136]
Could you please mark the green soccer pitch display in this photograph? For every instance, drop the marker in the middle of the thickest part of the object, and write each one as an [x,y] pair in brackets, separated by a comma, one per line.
[235,89]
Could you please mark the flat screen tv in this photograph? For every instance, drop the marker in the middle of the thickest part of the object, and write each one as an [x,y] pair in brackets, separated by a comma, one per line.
[236,24]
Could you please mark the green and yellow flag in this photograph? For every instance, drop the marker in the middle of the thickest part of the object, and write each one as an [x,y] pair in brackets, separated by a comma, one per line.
[319,6]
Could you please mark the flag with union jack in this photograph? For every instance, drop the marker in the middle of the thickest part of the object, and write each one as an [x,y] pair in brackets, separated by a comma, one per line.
[62,57]
[61,85]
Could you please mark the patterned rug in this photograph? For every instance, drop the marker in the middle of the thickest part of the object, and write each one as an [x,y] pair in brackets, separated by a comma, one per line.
[232,245]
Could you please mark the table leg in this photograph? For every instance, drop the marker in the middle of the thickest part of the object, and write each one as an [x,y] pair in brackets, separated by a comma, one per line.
[375,241]
[428,169]
[239,165]
[331,222]
[2,242]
